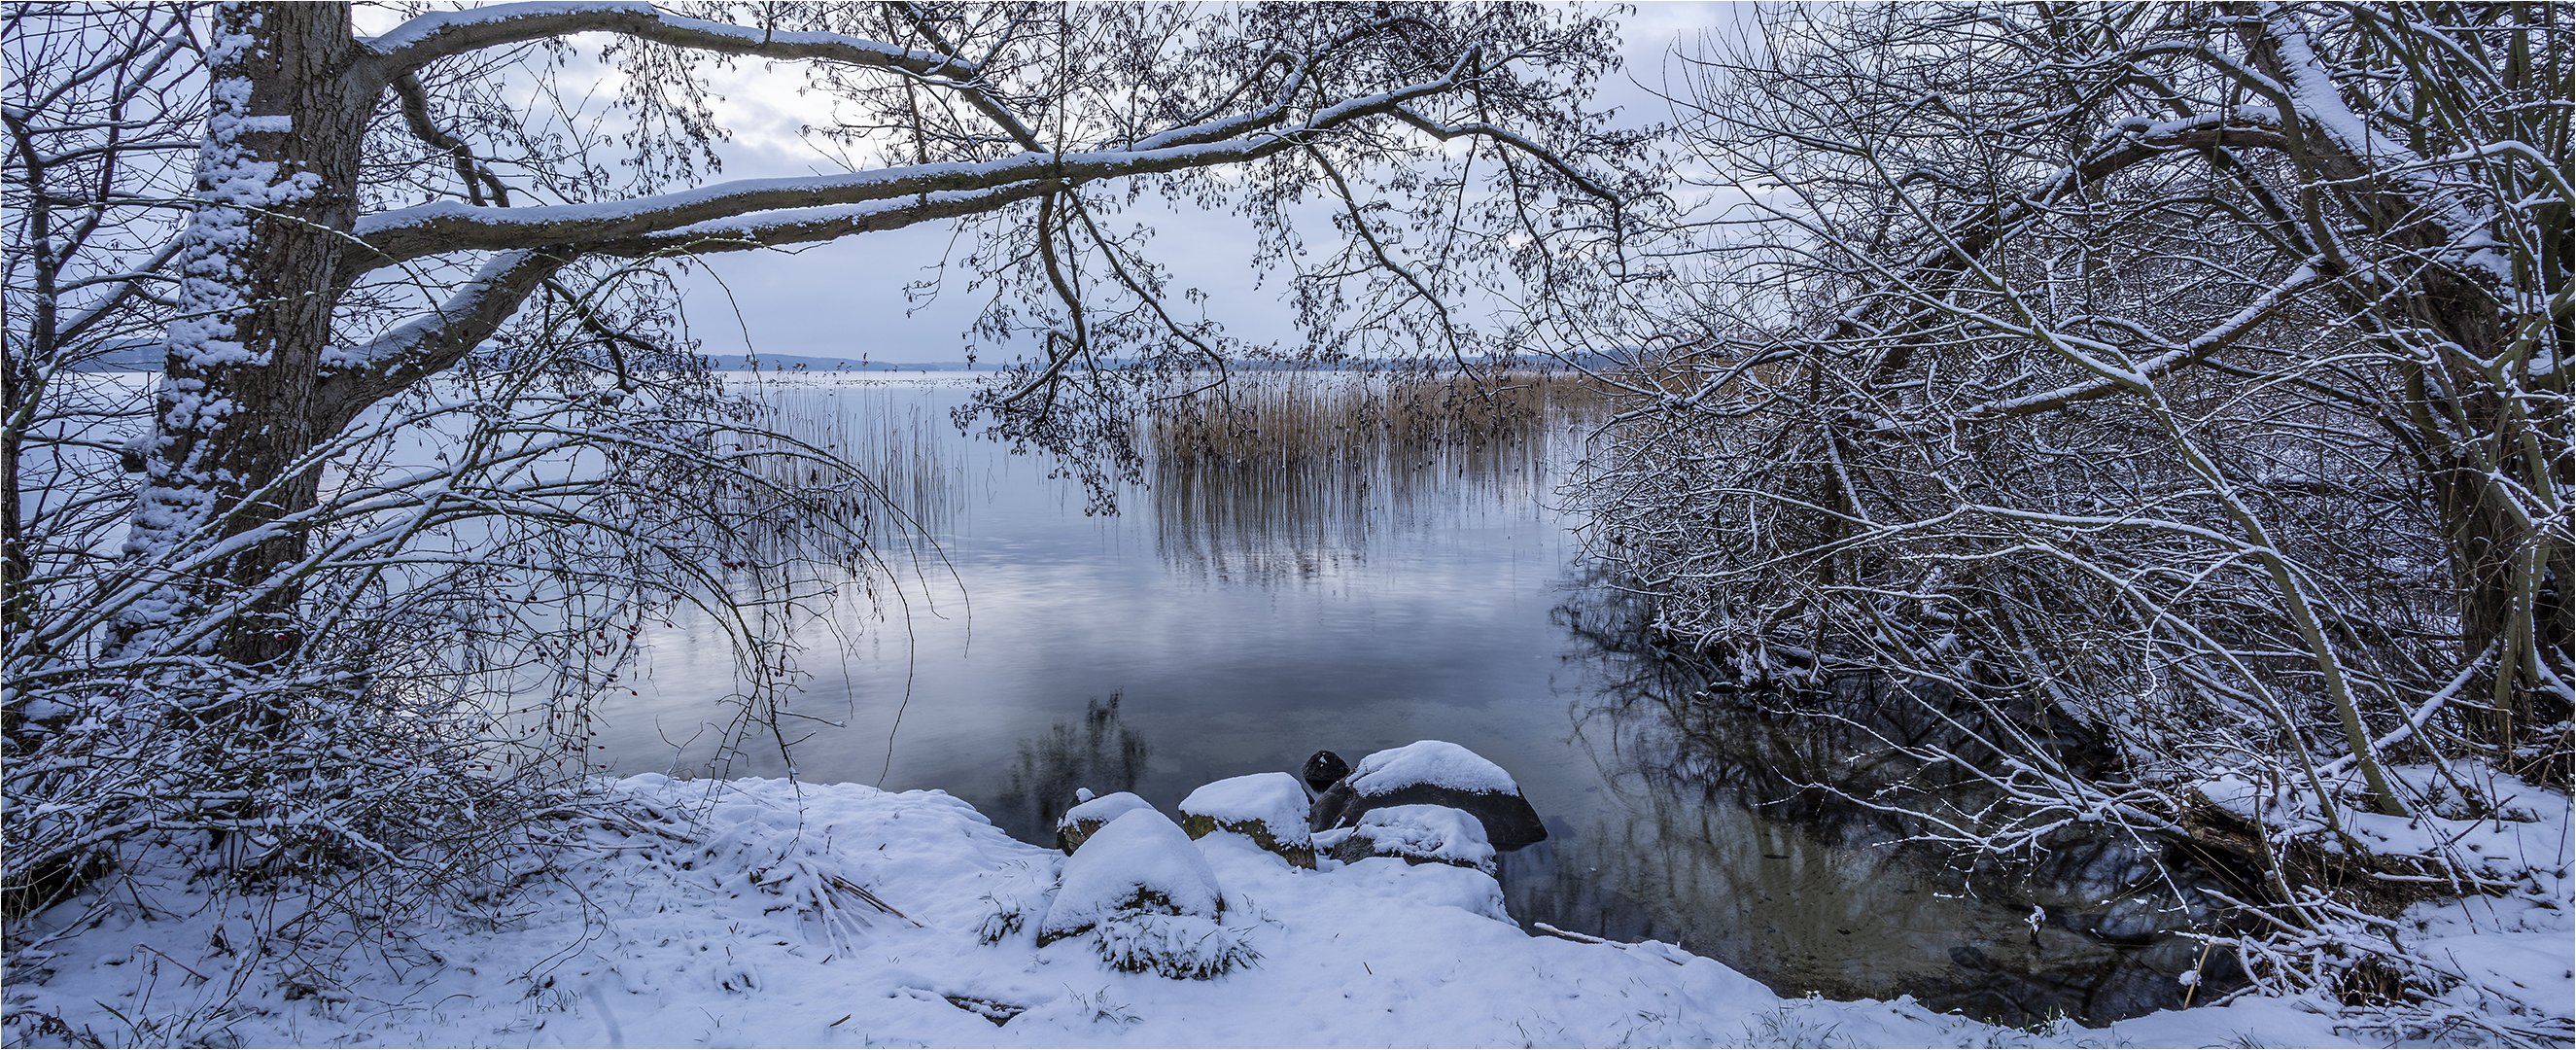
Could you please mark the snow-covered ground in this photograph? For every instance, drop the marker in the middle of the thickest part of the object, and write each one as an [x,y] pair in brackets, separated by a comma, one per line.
[785,914]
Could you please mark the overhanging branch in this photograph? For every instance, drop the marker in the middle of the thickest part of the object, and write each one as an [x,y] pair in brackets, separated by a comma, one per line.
[448,226]
[431,37]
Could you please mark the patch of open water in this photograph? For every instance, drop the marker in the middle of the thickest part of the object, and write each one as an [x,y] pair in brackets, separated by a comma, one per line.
[1240,615]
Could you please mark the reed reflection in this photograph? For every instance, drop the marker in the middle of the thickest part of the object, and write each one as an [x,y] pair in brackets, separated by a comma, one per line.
[906,482]
[1096,750]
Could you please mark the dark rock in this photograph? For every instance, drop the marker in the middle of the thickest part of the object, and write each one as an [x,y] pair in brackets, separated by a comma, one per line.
[1509,821]
[1324,770]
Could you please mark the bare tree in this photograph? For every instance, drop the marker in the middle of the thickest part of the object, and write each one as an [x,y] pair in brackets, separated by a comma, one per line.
[2192,379]
[989,101]
[410,247]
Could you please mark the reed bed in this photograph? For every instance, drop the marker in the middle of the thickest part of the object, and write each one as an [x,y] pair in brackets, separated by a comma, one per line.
[882,456]
[1287,473]
[1271,474]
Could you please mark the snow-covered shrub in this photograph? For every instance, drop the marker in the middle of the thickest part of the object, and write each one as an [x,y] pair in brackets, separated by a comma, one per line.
[1008,918]
[1147,900]
[2130,494]
[1182,947]
[1016,905]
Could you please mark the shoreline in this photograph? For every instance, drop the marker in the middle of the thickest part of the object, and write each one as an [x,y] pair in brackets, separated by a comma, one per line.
[748,927]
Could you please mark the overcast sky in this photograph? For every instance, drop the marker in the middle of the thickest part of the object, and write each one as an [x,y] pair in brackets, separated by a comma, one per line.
[846,298]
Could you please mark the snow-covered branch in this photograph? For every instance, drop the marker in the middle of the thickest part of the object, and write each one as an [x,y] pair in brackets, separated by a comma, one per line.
[412,233]
[353,378]
[430,37]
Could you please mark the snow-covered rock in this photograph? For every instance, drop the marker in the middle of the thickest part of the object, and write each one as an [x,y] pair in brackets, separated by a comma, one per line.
[1436,773]
[1148,899]
[1091,814]
[1419,835]
[1435,762]
[1268,808]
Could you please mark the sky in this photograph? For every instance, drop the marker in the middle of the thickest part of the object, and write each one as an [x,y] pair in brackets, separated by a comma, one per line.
[846,299]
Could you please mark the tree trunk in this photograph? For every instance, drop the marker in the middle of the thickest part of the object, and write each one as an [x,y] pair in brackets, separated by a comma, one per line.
[276,199]
[2510,575]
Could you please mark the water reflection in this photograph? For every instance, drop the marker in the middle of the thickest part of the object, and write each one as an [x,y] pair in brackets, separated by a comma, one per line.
[1095,751]
[910,479]
[1721,835]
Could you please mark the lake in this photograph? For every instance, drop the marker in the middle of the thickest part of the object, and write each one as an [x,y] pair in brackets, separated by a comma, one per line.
[1332,582]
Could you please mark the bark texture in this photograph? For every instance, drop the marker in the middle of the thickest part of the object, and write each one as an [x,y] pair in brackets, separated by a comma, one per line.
[277,198]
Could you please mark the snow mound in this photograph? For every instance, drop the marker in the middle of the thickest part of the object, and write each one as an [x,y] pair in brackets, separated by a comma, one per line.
[1272,799]
[1407,885]
[1149,900]
[1102,809]
[1437,763]
[1137,862]
[1419,834]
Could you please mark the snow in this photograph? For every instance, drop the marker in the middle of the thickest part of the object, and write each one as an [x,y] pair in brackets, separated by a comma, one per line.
[742,927]
[1141,852]
[1435,762]
[1275,802]
[1424,885]
[234,181]
[2320,102]
[428,27]
[1101,810]
[1436,833]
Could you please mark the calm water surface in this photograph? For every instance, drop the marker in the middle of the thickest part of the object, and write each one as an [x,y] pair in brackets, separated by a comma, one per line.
[1234,619]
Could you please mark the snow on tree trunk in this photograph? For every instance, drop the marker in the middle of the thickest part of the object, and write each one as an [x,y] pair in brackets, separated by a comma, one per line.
[276,197]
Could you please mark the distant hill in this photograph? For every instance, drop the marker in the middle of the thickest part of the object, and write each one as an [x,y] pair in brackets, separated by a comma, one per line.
[795,363]
[137,356]
[146,357]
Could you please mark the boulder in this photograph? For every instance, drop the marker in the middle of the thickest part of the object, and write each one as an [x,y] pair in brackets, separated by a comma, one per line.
[1080,822]
[1323,770]
[1268,808]
[1432,773]
[1419,835]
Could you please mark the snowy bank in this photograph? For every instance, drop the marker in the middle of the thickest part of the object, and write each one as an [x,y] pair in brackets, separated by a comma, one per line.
[832,915]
